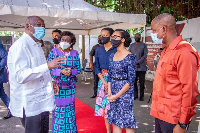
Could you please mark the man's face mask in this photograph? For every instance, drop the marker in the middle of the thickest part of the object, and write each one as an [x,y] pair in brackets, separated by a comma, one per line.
[55,41]
[154,37]
[39,32]
[137,39]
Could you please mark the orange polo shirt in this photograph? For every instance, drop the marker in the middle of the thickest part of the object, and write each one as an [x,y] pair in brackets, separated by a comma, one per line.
[175,87]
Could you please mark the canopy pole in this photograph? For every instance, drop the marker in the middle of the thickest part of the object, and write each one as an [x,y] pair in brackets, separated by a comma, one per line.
[144,34]
[83,48]
[89,43]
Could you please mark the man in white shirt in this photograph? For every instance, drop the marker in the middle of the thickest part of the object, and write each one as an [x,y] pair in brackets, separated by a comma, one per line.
[31,86]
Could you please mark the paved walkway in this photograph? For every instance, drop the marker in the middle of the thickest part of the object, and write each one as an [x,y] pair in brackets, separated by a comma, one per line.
[84,91]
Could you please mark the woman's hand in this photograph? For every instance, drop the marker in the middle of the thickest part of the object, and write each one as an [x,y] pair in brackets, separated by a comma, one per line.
[55,88]
[106,87]
[112,98]
[109,94]
[91,66]
[69,71]
[66,71]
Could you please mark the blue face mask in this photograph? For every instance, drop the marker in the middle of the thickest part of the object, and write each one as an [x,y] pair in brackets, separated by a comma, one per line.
[154,37]
[39,32]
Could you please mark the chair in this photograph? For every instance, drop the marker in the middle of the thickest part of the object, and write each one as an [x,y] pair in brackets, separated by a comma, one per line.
[85,70]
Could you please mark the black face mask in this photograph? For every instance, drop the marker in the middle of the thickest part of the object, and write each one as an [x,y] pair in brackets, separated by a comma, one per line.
[55,41]
[99,41]
[115,43]
[105,40]
[137,39]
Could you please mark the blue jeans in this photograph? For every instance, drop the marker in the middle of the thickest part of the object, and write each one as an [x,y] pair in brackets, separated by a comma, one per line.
[3,95]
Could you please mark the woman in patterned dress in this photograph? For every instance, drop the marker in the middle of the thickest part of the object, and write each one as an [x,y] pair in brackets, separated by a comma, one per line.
[63,116]
[101,69]
[122,73]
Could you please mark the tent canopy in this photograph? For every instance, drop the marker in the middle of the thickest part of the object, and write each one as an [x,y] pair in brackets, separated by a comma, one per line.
[77,16]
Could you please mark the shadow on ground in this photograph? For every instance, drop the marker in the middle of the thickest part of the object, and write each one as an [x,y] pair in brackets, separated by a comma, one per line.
[84,92]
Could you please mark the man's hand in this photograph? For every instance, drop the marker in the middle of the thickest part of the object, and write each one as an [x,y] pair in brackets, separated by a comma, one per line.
[178,129]
[66,71]
[138,65]
[57,62]
[55,88]
[91,66]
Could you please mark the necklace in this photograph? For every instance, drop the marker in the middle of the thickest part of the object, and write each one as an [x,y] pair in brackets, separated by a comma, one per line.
[65,53]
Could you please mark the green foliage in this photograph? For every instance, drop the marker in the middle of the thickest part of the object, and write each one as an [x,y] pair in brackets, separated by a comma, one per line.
[5,33]
[132,32]
[11,33]
[151,8]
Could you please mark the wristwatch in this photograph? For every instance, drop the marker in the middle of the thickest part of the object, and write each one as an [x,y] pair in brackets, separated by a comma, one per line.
[182,125]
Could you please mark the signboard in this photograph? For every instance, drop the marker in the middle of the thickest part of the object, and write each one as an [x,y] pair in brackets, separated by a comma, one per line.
[153,56]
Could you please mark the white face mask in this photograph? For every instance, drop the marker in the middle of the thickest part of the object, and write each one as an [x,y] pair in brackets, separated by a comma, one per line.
[64,45]
[154,37]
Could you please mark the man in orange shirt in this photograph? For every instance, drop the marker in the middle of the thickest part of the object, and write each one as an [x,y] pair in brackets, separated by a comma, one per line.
[175,86]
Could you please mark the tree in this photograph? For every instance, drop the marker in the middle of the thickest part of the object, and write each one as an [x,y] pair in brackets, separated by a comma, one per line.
[11,33]
[180,9]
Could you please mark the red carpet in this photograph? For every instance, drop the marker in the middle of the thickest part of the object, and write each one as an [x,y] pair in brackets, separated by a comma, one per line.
[86,121]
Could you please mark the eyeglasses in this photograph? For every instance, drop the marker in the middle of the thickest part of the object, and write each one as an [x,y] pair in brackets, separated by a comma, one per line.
[114,37]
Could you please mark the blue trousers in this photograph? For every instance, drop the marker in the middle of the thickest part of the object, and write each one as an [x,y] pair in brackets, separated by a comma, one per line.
[3,96]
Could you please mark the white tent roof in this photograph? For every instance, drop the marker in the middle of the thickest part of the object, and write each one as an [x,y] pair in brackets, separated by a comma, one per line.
[77,16]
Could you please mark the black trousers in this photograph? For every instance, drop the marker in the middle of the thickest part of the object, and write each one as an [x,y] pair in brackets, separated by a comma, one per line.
[96,80]
[36,124]
[163,127]
[141,76]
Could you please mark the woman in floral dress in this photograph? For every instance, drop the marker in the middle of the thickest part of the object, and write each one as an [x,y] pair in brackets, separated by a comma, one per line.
[122,73]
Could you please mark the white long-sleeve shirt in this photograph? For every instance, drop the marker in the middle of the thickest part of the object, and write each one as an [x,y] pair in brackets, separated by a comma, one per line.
[30,81]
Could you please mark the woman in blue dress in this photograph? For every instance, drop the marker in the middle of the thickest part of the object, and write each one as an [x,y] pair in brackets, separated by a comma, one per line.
[101,69]
[121,77]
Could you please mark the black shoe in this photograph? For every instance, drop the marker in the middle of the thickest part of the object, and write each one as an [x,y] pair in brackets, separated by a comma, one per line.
[9,115]
[93,96]
[135,98]
[141,99]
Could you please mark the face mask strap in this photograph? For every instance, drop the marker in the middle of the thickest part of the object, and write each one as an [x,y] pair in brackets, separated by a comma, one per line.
[31,26]
[159,30]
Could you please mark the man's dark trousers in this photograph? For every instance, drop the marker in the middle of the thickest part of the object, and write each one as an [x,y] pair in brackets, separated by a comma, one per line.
[36,124]
[141,76]
[163,127]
